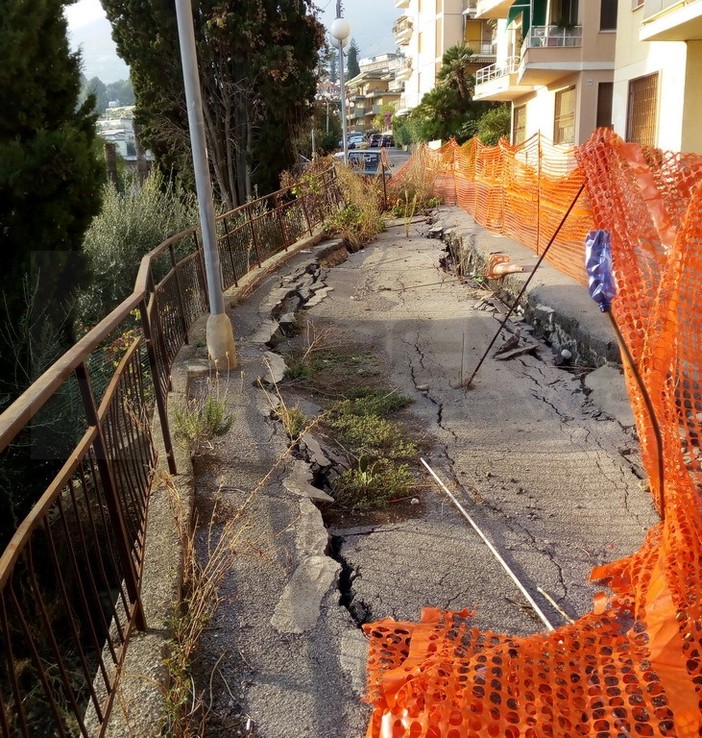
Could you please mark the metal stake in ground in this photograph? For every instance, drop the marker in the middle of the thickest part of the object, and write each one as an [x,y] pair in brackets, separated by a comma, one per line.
[466,384]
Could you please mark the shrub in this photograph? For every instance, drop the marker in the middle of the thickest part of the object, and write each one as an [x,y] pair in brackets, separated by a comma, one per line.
[199,421]
[360,221]
[130,224]
[372,485]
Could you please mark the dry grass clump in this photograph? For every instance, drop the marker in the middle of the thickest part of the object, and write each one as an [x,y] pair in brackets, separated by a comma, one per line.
[202,419]
[413,191]
[360,221]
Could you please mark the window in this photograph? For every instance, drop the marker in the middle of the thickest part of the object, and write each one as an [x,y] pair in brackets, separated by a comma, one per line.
[608,15]
[642,110]
[439,31]
[636,4]
[564,118]
[604,104]
[564,13]
[519,125]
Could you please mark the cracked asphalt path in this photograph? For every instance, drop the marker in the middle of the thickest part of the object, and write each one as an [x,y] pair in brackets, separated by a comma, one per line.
[550,478]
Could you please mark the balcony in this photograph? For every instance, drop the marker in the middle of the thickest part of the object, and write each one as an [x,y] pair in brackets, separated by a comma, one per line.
[493,8]
[484,48]
[403,31]
[402,3]
[404,72]
[470,8]
[548,52]
[498,82]
[671,20]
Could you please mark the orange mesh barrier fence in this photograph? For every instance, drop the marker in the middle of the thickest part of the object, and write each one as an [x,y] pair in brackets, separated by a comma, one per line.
[633,666]
[519,191]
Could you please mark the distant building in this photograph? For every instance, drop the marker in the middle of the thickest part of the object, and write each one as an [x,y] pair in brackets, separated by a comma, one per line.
[555,64]
[117,127]
[374,90]
[658,57]
[426,31]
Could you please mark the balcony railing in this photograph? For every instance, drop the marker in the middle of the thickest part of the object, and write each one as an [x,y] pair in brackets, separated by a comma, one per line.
[483,48]
[486,74]
[553,37]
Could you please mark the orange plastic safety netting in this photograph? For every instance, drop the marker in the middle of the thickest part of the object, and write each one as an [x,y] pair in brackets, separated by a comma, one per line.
[633,666]
[520,191]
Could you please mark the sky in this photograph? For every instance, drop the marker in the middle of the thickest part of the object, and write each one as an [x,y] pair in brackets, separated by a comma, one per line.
[371,24]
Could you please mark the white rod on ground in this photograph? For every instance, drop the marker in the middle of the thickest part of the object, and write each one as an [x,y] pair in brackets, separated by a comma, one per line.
[555,605]
[493,550]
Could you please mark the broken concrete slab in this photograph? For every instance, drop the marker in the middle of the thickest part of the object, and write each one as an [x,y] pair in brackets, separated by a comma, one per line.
[312,537]
[608,392]
[314,450]
[299,606]
[265,332]
[299,483]
[276,368]
[353,659]
[317,297]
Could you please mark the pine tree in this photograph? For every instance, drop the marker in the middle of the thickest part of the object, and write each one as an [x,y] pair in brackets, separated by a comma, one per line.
[352,68]
[257,63]
[49,178]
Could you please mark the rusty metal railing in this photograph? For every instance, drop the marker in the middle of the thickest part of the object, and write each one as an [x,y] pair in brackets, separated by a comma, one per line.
[78,445]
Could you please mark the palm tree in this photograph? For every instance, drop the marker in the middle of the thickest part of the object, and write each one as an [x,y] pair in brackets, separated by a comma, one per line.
[455,71]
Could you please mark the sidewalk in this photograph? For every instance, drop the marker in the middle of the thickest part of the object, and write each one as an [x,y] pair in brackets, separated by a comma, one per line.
[533,451]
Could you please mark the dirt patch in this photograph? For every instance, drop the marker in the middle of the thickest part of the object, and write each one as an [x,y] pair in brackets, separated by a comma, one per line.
[364,427]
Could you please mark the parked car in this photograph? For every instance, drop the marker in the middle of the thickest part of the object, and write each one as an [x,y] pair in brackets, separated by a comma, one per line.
[367,163]
[357,142]
[374,140]
[387,140]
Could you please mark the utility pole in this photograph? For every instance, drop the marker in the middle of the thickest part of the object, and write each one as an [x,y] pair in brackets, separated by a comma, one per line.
[220,335]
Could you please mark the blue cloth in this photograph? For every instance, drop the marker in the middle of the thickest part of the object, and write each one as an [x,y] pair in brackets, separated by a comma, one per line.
[598,263]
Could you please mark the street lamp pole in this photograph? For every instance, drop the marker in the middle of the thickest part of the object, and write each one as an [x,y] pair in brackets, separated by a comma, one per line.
[341,31]
[220,335]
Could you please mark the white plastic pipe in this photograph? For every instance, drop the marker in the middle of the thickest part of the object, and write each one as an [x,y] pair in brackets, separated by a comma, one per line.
[493,550]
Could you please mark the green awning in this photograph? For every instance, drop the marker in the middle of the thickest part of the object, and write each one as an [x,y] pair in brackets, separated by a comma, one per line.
[534,13]
[518,7]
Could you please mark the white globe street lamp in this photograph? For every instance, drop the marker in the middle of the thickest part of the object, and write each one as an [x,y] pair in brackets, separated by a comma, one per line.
[341,32]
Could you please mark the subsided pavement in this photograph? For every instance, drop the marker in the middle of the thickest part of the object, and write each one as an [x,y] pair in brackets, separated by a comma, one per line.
[542,455]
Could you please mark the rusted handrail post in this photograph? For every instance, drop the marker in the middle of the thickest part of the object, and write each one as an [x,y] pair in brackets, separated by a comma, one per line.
[281,224]
[104,465]
[303,203]
[160,399]
[253,234]
[230,248]
[179,289]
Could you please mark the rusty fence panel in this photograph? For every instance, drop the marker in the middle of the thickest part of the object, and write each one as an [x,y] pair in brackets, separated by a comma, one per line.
[77,446]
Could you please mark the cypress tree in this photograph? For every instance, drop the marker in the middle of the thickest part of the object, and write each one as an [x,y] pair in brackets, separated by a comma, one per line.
[49,179]
[352,68]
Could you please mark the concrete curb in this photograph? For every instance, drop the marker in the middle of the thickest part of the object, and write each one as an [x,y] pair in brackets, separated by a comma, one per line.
[558,307]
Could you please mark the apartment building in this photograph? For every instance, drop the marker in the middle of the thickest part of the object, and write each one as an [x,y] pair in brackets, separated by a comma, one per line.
[375,89]
[555,64]
[658,69]
[426,30]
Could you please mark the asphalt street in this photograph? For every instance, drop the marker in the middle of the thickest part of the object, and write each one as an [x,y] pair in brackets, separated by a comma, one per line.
[548,474]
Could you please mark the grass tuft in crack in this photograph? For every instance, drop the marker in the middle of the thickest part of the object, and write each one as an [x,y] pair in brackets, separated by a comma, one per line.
[199,421]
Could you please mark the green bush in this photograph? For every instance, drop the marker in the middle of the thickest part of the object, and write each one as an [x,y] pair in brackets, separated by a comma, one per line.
[130,224]
[198,422]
